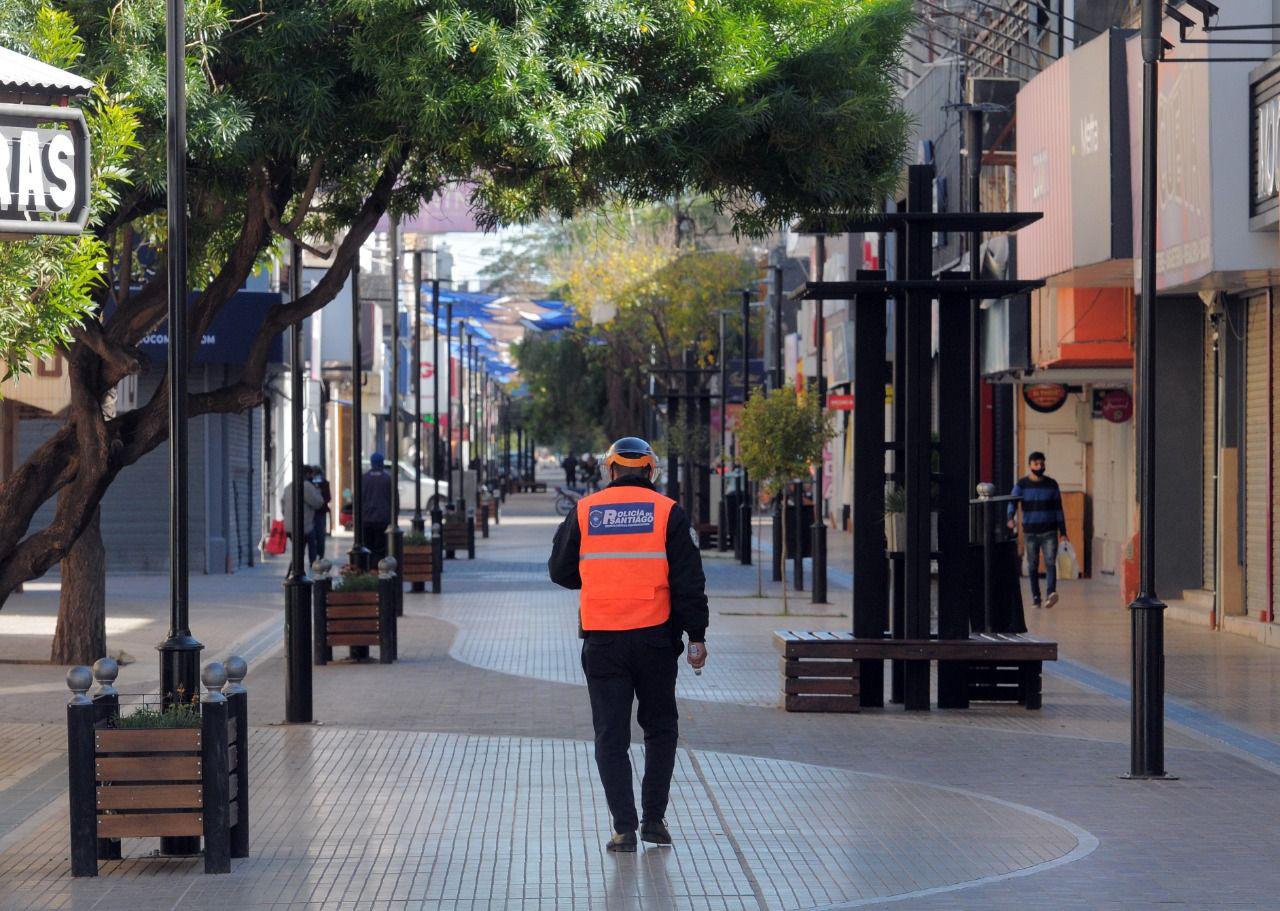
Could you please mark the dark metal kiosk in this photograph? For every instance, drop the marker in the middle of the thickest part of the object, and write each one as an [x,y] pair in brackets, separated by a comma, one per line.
[893,591]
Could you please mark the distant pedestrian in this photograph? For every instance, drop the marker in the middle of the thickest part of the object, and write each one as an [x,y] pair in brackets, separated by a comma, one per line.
[570,466]
[591,472]
[320,528]
[375,507]
[312,499]
[1043,526]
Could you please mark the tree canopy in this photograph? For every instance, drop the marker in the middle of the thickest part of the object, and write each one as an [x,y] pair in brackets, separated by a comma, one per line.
[308,121]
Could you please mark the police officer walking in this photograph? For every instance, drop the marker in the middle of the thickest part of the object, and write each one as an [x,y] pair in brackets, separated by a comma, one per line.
[632,553]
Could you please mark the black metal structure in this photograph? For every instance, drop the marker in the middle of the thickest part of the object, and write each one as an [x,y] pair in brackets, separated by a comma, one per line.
[818,592]
[297,584]
[359,555]
[180,651]
[722,518]
[914,291]
[395,534]
[1146,735]
[743,538]
[437,513]
[417,523]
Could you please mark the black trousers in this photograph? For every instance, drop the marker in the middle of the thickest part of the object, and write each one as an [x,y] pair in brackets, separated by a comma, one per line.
[375,539]
[622,668]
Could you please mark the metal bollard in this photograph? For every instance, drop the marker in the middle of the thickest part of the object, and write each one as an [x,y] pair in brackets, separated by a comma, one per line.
[388,582]
[215,771]
[320,589]
[106,703]
[437,556]
[238,712]
[81,776]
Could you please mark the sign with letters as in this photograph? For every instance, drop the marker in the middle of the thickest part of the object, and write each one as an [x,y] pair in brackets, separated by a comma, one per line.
[44,170]
[621,519]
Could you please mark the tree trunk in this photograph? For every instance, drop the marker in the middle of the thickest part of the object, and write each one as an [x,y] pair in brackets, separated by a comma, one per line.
[81,636]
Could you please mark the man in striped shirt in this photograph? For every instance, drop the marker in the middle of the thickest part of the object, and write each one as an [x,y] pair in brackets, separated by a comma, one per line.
[1043,525]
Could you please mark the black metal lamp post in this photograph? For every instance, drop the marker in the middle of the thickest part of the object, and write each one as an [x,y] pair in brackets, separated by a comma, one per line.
[722,531]
[448,393]
[1146,743]
[180,651]
[359,555]
[297,585]
[418,523]
[819,590]
[744,509]
[395,534]
[437,514]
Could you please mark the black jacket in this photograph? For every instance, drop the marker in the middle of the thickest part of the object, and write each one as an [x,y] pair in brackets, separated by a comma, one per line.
[684,567]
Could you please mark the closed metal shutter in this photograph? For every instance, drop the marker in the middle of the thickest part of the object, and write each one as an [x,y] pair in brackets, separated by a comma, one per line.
[243,436]
[1208,492]
[1257,461]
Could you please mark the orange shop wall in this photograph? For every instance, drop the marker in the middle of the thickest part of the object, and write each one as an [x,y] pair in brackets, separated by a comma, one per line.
[1082,327]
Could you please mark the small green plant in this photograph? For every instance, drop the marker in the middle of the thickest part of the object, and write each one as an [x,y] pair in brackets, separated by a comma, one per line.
[781,434]
[355,580]
[416,539]
[895,500]
[178,715]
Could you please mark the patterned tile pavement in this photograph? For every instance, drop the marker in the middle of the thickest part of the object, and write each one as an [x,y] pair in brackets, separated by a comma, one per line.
[461,777]
[345,815]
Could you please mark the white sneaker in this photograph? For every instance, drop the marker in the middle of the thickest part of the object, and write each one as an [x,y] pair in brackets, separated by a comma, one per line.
[1051,600]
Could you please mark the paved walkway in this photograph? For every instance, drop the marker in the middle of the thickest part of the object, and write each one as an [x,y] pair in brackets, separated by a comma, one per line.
[462,777]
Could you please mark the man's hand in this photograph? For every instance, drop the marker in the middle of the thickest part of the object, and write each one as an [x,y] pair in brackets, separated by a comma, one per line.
[697,655]
[1012,524]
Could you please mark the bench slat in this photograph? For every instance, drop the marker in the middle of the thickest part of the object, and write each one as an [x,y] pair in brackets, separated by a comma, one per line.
[797,703]
[818,667]
[821,686]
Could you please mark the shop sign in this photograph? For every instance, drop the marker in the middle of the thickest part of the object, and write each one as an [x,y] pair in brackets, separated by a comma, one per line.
[1264,146]
[44,162]
[1114,405]
[1045,398]
[839,402]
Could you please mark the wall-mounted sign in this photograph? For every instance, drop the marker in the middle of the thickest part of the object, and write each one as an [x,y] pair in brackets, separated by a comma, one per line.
[1045,398]
[839,402]
[44,165]
[1114,405]
[1264,147]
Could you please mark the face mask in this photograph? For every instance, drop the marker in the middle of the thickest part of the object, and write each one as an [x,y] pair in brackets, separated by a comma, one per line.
[1037,472]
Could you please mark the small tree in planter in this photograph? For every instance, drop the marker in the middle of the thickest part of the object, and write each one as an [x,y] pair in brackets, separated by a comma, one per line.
[780,434]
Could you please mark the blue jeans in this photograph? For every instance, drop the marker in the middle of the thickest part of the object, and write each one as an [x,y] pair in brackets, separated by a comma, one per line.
[1046,543]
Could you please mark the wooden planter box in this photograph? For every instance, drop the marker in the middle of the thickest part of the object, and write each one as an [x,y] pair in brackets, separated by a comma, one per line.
[356,620]
[458,532]
[422,564]
[165,783]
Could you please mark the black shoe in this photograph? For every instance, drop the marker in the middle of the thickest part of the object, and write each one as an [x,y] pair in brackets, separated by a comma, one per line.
[655,833]
[621,842]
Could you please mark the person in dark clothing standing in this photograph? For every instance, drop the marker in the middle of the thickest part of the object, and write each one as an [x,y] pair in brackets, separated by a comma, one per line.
[1043,526]
[375,506]
[570,466]
[631,552]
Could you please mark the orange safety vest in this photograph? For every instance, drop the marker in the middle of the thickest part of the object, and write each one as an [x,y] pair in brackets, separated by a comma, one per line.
[623,559]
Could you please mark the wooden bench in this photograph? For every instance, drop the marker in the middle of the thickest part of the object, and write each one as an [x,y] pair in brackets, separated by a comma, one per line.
[813,680]
[998,667]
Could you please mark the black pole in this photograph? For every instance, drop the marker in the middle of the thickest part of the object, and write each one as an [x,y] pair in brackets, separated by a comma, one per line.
[395,536]
[1146,745]
[722,531]
[297,585]
[744,523]
[819,589]
[974,153]
[437,514]
[180,651]
[359,555]
[779,369]
[419,524]
[448,397]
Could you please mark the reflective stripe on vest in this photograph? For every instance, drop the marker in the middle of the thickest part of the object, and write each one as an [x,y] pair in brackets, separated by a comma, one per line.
[623,558]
